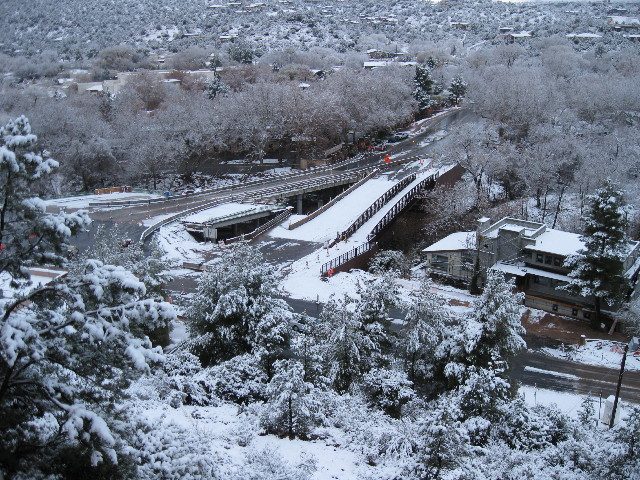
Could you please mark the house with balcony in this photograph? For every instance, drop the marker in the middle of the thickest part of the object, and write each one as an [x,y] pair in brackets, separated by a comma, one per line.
[530,252]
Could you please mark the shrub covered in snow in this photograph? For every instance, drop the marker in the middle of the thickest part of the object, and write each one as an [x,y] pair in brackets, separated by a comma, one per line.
[388,390]
[389,261]
[290,409]
[240,379]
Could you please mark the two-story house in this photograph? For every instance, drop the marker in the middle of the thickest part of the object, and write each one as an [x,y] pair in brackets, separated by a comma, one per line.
[530,252]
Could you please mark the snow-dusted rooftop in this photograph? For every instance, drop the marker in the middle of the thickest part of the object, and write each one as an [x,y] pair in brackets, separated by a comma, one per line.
[522,270]
[455,241]
[557,242]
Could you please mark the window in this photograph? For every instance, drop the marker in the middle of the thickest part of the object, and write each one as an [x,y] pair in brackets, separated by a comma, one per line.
[536,279]
[539,258]
[554,307]
[557,261]
[574,311]
[586,315]
[440,262]
[548,259]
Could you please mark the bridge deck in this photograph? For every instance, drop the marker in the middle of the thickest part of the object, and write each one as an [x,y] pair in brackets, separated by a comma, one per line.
[228,214]
[325,226]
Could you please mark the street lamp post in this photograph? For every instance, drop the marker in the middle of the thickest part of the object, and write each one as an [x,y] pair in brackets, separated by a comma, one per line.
[615,401]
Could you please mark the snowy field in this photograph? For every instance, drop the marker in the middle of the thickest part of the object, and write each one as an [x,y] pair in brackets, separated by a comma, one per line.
[601,353]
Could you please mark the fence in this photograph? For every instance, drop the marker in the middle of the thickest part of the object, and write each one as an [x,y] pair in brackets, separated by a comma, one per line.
[400,205]
[262,228]
[374,207]
[335,200]
[342,260]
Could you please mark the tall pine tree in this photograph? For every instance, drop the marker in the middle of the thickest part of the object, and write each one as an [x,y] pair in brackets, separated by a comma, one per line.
[597,270]
[423,87]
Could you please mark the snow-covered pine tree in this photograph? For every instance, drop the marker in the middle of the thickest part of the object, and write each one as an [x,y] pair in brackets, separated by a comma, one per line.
[596,271]
[423,87]
[28,237]
[494,331]
[426,322]
[356,332]
[235,310]
[480,352]
[216,87]
[68,349]
[457,90]
[290,410]
[388,390]
[112,246]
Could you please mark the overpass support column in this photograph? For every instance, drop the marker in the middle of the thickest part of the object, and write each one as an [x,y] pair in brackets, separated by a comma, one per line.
[235,229]
[320,203]
[299,204]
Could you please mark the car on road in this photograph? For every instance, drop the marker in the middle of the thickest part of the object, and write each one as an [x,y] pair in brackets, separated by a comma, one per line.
[398,137]
[381,147]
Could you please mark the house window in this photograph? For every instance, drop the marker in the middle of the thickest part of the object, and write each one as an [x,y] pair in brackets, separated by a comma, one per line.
[554,307]
[557,261]
[574,311]
[539,258]
[586,315]
[548,259]
[440,262]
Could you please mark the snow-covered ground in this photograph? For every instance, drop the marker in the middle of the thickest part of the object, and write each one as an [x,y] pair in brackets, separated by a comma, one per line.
[83,201]
[601,353]
[337,218]
[179,245]
[224,429]
[303,276]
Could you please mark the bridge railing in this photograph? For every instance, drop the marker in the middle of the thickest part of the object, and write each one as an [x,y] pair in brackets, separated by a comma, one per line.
[340,260]
[400,205]
[333,201]
[374,207]
[277,220]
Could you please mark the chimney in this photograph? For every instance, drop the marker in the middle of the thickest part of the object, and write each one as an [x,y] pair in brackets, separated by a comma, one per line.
[483,223]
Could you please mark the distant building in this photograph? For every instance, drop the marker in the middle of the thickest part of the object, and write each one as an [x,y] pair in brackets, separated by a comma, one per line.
[512,37]
[530,252]
[620,23]
[584,36]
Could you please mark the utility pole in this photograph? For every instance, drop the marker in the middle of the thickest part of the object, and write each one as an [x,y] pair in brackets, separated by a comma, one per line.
[615,401]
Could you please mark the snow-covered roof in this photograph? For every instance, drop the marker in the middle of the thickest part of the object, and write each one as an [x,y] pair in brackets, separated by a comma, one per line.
[375,64]
[583,35]
[621,20]
[522,270]
[557,242]
[454,242]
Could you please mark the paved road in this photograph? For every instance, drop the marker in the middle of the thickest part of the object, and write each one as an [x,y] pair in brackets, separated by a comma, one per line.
[543,370]
[411,147]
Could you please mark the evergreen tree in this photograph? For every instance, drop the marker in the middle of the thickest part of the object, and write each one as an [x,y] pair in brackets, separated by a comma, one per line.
[290,409]
[457,90]
[69,349]
[423,87]
[235,310]
[425,327]
[587,412]
[597,270]
[490,337]
[216,87]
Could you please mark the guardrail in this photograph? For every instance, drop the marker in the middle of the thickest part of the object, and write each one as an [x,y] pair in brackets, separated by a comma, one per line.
[400,205]
[333,201]
[265,193]
[263,228]
[346,257]
[373,208]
